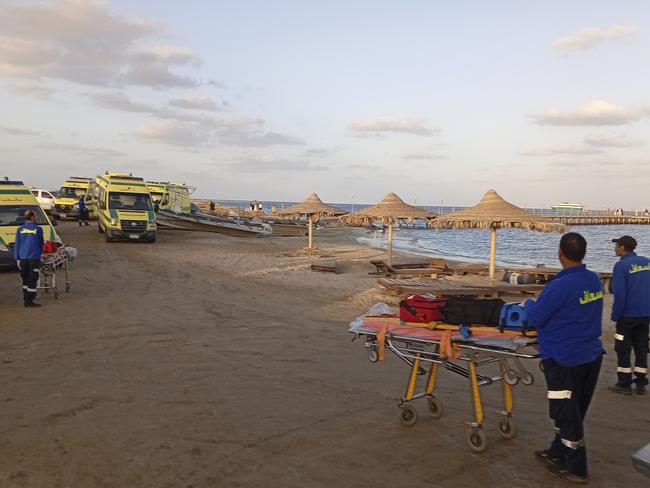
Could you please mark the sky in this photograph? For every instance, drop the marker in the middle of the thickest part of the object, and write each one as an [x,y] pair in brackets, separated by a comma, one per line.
[437,101]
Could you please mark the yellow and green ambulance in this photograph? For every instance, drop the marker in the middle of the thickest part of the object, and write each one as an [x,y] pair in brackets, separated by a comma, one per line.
[15,200]
[157,189]
[67,199]
[124,208]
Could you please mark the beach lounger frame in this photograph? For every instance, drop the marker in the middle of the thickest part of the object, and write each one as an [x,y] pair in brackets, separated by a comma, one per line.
[420,352]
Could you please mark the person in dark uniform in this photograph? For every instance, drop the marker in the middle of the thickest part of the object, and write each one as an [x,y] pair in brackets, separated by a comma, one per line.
[567,316]
[631,312]
[211,206]
[83,211]
[27,253]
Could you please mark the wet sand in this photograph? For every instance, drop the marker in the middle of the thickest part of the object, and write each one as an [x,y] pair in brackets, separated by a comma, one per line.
[211,361]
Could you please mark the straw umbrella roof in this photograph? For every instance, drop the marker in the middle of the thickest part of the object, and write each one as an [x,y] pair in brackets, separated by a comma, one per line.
[390,208]
[494,212]
[312,205]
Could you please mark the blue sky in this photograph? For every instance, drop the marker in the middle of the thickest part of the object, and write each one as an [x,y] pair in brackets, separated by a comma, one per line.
[273,100]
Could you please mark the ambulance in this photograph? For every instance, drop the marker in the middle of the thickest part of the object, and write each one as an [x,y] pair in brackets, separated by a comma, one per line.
[15,200]
[176,198]
[157,190]
[66,203]
[124,208]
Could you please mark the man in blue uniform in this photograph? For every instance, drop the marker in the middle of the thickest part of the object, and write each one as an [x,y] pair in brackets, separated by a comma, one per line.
[83,211]
[568,316]
[631,312]
[27,253]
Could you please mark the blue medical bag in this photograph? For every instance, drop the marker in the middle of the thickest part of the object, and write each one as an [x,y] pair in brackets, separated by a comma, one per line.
[514,317]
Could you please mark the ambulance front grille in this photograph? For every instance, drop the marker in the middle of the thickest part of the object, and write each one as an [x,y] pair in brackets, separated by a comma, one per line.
[134,226]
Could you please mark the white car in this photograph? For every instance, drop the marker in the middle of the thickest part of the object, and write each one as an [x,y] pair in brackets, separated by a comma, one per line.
[45,198]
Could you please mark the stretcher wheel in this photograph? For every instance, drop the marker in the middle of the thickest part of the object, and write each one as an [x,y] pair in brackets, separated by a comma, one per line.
[56,294]
[507,428]
[373,355]
[408,415]
[541,366]
[527,379]
[511,378]
[435,408]
[476,440]
[67,287]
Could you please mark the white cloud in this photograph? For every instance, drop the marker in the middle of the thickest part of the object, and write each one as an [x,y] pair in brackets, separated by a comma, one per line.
[248,138]
[15,131]
[119,101]
[174,133]
[423,156]
[254,163]
[378,125]
[31,90]
[84,151]
[591,36]
[612,140]
[593,113]
[560,150]
[196,103]
[80,41]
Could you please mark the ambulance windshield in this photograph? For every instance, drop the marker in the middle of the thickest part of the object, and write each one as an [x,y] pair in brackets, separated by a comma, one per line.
[70,192]
[129,201]
[15,214]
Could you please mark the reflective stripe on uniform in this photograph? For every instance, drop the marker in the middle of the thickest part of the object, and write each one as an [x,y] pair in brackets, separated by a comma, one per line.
[573,444]
[24,287]
[619,337]
[623,370]
[33,290]
[559,395]
[637,369]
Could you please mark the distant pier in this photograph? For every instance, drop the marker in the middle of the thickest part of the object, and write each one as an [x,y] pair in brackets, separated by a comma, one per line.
[605,219]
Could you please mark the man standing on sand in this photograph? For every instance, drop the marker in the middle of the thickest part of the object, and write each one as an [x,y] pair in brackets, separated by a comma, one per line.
[27,253]
[568,315]
[631,312]
[83,211]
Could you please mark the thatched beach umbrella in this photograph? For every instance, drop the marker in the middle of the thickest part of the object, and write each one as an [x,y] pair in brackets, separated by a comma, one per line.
[493,213]
[314,207]
[389,210]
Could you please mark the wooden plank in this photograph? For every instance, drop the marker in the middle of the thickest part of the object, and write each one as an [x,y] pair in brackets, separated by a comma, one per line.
[325,265]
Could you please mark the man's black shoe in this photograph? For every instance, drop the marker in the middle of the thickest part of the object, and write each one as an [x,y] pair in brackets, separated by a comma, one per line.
[562,472]
[545,456]
[641,390]
[33,305]
[623,390]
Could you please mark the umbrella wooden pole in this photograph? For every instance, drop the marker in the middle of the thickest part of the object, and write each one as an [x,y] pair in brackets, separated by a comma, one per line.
[493,250]
[390,243]
[311,223]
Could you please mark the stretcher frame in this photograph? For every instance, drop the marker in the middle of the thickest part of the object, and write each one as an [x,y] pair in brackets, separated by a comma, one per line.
[50,265]
[418,352]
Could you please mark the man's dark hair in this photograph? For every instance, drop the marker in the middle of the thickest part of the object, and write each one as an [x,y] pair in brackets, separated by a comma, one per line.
[573,246]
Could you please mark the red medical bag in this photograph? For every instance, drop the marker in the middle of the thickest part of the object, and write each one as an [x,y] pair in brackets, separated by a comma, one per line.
[422,308]
[49,247]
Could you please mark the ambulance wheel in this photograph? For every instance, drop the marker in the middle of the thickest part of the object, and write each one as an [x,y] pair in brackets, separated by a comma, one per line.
[99,228]
[507,428]
[435,408]
[511,378]
[476,440]
[408,415]
[108,237]
[373,355]
[527,379]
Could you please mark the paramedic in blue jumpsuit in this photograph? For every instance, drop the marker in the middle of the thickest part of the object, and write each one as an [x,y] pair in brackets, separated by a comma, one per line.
[83,211]
[27,253]
[631,312]
[568,315]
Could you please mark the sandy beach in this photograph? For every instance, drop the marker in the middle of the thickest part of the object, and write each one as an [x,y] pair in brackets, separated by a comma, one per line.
[213,361]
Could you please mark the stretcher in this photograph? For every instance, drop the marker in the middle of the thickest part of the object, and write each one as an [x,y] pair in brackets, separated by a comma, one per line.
[51,264]
[462,351]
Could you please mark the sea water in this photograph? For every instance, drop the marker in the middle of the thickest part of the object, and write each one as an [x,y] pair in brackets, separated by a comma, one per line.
[515,247]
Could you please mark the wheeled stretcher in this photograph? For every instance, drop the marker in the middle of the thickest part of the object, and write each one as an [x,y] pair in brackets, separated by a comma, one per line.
[427,347]
[51,264]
